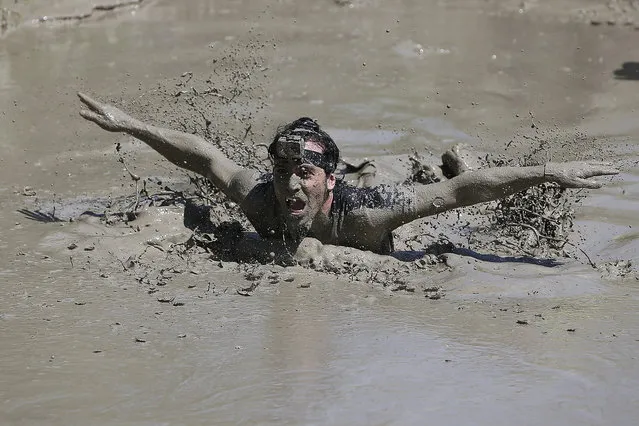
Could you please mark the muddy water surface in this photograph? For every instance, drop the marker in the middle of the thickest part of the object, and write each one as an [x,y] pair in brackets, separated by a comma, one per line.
[83,342]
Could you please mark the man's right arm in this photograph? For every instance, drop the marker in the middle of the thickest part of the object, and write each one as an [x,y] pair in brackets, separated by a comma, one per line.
[185,150]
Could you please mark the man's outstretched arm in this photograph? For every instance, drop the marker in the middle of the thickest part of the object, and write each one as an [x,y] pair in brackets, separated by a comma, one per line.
[486,185]
[185,150]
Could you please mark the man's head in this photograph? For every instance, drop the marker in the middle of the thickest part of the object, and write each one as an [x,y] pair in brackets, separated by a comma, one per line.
[304,161]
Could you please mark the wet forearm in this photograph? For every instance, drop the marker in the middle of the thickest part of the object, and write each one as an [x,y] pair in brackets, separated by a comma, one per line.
[469,188]
[494,183]
[186,151]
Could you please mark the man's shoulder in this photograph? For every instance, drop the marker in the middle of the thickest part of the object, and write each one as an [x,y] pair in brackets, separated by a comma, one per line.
[348,197]
[262,188]
[242,184]
[351,212]
[260,207]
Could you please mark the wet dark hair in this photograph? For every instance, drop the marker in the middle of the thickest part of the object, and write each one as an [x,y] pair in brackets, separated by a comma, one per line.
[309,130]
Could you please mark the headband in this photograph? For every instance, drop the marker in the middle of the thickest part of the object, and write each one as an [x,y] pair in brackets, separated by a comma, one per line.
[291,147]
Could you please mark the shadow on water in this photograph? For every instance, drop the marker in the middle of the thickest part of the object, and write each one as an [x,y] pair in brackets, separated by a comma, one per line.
[550,263]
[411,256]
[40,216]
[47,217]
[52,211]
[628,71]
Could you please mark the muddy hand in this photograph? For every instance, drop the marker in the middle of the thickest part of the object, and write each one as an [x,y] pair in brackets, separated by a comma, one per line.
[106,116]
[309,252]
[577,174]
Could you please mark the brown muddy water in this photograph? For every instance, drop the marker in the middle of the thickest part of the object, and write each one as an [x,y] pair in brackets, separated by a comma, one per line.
[82,341]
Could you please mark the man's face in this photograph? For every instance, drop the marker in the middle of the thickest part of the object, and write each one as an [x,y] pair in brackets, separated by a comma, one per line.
[302,191]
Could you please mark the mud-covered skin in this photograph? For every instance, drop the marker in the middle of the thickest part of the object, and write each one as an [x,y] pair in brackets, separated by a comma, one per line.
[185,150]
[365,217]
[350,221]
[303,194]
[356,217]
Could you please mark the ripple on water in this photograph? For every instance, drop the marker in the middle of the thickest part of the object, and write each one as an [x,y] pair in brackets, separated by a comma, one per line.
[411,49]
[372,140]
[441,128]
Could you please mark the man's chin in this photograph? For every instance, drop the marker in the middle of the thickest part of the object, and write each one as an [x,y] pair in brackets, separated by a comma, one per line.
[298,225]
[297,216]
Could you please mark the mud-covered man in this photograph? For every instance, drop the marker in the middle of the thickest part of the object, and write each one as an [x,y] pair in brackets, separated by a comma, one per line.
[303,198]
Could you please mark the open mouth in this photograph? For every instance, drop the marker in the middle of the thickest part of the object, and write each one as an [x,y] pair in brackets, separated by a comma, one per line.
[295,205]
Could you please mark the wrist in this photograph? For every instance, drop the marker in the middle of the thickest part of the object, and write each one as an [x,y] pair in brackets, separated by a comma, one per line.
[133,126]
[547,173]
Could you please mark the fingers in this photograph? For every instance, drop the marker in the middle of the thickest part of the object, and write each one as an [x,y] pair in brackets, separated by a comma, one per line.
[580,183]
[91,103]
[603,170]
[599,163]
[586,169]
[590,184]
[89,115]
[603,167]
[594,168]
[609,171]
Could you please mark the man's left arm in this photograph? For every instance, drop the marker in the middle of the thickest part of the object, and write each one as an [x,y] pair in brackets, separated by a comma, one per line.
[484,185]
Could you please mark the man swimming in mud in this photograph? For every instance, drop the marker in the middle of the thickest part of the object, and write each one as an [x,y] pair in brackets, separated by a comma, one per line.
[303,198]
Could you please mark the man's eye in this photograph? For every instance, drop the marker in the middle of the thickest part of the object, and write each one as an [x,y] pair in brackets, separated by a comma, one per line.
[304,172]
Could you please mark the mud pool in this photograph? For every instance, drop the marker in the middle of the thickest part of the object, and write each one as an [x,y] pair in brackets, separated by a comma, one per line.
[87,341]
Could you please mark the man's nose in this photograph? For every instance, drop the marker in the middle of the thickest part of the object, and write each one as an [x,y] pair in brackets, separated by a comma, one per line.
[294,182]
